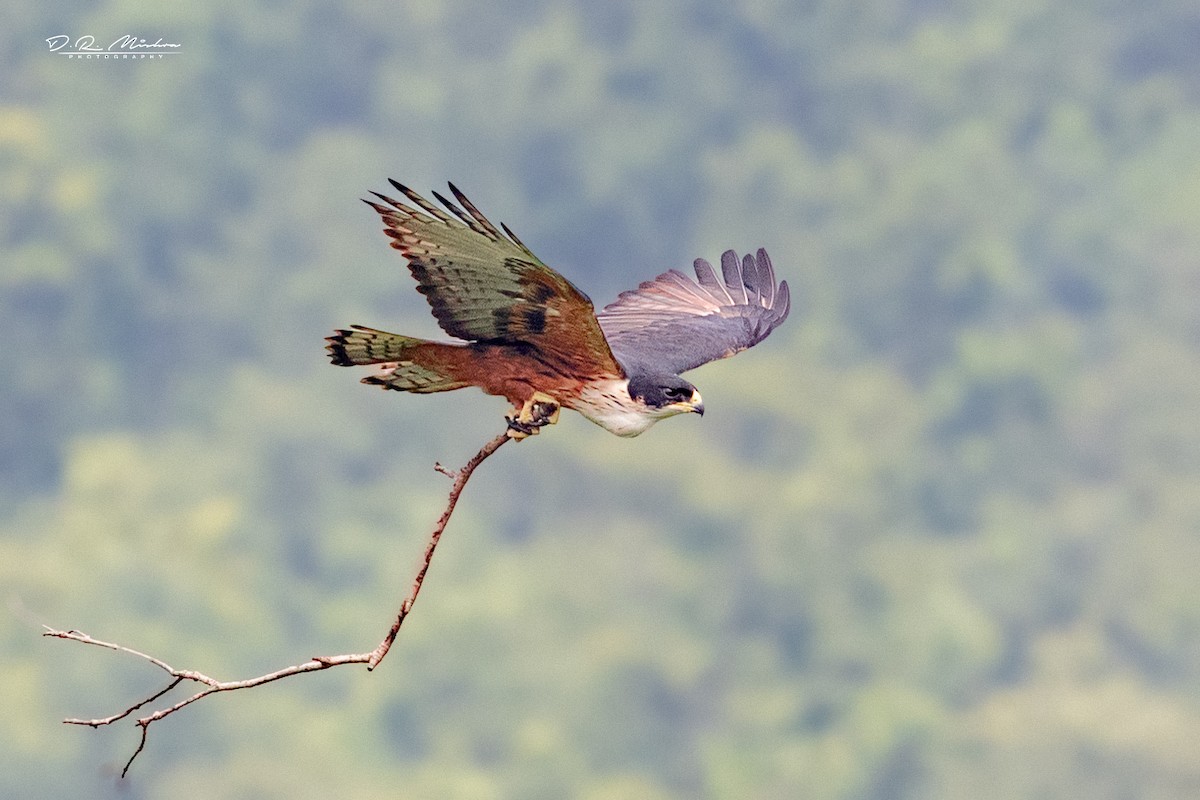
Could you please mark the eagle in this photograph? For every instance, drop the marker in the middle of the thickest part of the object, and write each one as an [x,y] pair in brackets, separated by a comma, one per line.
[529,335]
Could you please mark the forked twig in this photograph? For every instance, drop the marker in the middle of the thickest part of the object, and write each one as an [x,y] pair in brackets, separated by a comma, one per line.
[212,686]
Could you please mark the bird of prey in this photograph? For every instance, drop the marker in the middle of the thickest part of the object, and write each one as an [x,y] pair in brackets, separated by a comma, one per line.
[528,335]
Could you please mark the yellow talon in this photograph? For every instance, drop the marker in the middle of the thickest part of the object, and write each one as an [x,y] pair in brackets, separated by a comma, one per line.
[542,409]
[539,410]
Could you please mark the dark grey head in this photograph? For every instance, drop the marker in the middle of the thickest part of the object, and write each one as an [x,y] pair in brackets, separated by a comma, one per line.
[666,394]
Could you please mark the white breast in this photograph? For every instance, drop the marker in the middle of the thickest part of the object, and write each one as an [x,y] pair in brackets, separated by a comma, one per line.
[608,404]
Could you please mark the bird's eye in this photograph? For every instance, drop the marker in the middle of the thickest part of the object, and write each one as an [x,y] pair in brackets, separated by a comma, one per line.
[675,393]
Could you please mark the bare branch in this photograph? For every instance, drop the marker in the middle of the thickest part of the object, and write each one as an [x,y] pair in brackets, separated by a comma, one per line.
[460,481]
[213,686]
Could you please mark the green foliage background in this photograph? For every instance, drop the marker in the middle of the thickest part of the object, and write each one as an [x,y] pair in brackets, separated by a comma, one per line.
[939,537]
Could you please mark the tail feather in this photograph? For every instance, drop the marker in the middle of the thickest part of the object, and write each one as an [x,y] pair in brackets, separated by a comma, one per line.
[368,346]
[406,364]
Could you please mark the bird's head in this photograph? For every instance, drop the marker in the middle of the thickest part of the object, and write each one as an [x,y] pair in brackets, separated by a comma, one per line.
[665,395]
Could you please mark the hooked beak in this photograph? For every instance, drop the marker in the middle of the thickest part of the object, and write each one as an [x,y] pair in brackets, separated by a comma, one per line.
[695,405]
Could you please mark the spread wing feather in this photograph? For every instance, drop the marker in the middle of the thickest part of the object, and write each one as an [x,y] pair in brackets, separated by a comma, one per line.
[673,323]
[485,285]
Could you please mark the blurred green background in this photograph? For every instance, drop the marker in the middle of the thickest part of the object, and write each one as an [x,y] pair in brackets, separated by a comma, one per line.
[939,537]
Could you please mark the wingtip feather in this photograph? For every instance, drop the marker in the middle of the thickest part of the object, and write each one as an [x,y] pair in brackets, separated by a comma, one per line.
[731,271]
[751,280]
[783,302]
[766,274]
[462,215]
[476,214]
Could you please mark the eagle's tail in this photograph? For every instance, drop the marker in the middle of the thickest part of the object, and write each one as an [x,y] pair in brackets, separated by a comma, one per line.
[406,364]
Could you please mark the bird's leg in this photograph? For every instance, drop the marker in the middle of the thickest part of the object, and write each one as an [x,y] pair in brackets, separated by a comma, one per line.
[539,411]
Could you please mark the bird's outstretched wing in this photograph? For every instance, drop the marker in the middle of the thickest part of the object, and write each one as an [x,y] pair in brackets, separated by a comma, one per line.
[673,323]
[484,284]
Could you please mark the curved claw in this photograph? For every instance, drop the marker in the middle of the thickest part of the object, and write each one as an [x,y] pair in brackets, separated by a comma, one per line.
[539,411]
[519,430]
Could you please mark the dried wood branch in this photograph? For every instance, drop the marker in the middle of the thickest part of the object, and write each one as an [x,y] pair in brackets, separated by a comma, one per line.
[211,685]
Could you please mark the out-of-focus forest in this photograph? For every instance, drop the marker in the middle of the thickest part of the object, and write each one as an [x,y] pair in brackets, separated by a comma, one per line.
[938,537]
